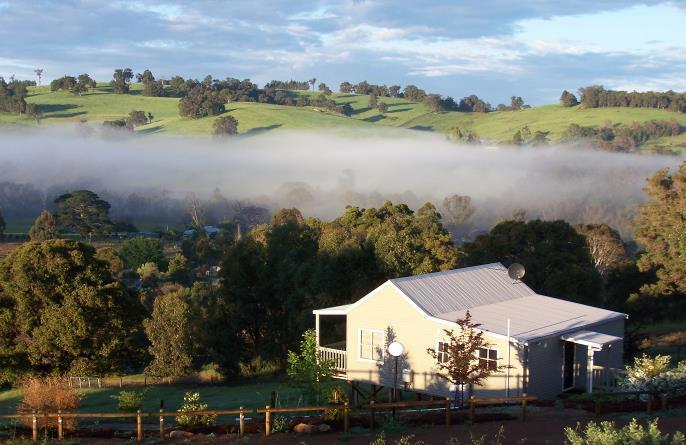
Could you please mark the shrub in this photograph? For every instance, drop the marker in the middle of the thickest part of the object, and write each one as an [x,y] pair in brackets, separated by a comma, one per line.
[191,403]
[653,374]
[129,401]
[281,424]
[48,395]
[606,433]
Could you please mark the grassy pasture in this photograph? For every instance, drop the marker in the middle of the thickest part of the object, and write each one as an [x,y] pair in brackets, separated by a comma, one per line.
[100,104]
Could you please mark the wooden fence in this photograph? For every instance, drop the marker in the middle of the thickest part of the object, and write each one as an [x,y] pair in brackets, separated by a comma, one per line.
[268,411]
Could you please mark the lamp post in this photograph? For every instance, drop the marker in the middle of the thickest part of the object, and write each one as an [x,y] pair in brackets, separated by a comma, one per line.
[396,349]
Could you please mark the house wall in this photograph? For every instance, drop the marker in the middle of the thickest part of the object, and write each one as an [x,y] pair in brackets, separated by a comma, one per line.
[389,309]
[545,360]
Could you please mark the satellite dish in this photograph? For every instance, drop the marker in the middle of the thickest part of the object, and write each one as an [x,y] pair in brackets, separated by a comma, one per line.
[516,271]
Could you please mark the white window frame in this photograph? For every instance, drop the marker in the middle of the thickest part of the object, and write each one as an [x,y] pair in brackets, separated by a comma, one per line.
[359,344]
[488,359]
[438,350]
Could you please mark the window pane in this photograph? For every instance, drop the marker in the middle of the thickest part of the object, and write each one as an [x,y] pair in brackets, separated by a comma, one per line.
[377,339]
[483,353]
[366,337]
[493,354]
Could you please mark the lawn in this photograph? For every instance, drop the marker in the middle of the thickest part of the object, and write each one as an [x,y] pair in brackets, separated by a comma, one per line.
[251,395]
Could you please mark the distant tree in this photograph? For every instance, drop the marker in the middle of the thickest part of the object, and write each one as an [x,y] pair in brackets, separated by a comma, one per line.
[372,101]
[457,211]
[39,73]
[136,118]
[308,370]
[432,102]
[518,139]
[460,360]
[113,260]
[146,77]
[44,228]
[394,90]
[62,312]
[413,94]
[150,117]
[557,259]
[179,270]
[661,227]
[153,89]
[63,83]
[34,111]
[540,138]
[225,126]
[324,89]
[201,102]
[83,212]
[607,249]
[83,84]
[137,251]
[120,80]
[345,87]
[516,103]
[567,99]
[169,332]
[149,273]
[312,82]
[383,107]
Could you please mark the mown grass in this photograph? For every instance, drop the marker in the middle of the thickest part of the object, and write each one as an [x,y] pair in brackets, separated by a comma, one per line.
[100,104]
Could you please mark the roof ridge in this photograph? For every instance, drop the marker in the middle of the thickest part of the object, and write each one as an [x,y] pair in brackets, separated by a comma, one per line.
[495,265]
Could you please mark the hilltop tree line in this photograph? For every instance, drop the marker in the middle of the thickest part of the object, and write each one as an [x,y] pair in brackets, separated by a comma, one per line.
[597,96]
[77,85]
[626,138]
[136,308]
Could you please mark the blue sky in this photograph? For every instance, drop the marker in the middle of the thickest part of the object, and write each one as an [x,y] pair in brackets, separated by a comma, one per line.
[492,48]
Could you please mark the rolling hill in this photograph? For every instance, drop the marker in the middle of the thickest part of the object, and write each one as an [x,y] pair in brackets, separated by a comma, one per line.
[100,104]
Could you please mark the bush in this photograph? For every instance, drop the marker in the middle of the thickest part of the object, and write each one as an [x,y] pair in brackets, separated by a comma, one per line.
[191,403]
[653,374]
[281,424]
[606,433]
[48,395]
[129,401]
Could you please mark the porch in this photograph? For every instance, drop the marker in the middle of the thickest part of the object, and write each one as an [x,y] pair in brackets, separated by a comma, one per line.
[597,376]
[330,327]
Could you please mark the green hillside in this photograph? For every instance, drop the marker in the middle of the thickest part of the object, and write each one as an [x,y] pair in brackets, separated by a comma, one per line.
[100,104]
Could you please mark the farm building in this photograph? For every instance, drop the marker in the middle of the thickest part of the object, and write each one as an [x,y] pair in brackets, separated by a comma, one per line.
[549,345]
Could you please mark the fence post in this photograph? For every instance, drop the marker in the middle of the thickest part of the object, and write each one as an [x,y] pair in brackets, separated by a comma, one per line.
[663,402]
[161,424]
[241,423]
[523,407]
[371,414]
[267,421]
[447,410]
[346,417]
[139,426]
[471,402]
[34,426]
[60,434]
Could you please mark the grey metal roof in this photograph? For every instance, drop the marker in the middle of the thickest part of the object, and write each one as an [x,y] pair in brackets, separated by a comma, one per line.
[534,317]
[460,289]
[589,338]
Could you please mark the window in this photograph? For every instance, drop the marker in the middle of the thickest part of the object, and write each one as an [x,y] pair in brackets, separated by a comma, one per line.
[488,359]
[442,352]
[371,345]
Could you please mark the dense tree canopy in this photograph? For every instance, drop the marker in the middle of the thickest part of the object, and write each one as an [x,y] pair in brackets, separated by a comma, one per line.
[225,126]
[567,99]
[12,96]
[598,97]
[61,311]
[137,251]
[44,228]
[83,212]
[661,229]
[557,259]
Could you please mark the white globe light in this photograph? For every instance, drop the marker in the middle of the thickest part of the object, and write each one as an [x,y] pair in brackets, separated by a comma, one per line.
[396,349]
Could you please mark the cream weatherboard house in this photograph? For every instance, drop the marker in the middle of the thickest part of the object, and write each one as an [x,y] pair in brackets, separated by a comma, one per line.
[549,345]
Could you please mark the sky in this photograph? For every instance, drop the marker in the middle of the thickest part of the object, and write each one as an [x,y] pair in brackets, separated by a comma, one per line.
[492,48]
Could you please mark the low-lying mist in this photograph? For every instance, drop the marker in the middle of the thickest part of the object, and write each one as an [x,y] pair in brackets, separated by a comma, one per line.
[321,174]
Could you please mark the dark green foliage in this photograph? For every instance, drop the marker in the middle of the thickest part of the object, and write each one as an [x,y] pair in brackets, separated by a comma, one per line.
[153,89]
[567,99]
[145,78]
[83,84]
[61,311]
[120,80]
[225,126]
[557,259]
[136,118]
[169,332]
[63,83]
[324,89]
[137,251]
[200,102]
[44,228]
[345,88]
[83,212]
[12,96]
[661,228]
[383,107]
[432,102]
[179,270]
[516,103]
[473,104]
[622,137]
[540,138]
[289,85]
[372,101]
[598,97]
[394,91]
[118,124]
[413,94]
[34,111]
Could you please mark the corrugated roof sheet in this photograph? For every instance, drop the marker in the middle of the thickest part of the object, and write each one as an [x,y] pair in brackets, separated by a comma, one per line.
[534,316]
[459,289]
[591,338]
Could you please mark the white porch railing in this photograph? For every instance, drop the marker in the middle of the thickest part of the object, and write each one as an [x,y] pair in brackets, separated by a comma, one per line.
[604,377]
[337,356]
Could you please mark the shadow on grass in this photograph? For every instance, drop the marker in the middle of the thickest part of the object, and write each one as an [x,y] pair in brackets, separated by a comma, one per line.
[422,128]
[376,118]
[399,110]
[361,110]
[258,130]
[51,108]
